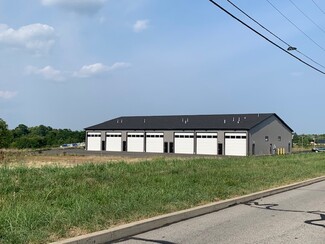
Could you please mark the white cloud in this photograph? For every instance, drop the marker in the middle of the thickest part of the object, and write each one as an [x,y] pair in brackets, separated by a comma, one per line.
[35,37]
[7,94]
[92,69]
[47,72]
[141,25]
[98,68]
[118,65]
[79,6]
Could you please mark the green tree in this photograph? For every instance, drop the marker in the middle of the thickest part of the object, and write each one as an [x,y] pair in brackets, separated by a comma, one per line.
[20,130]
[29,142]
[303,140]
[5,134]
[43,136]
[40,130]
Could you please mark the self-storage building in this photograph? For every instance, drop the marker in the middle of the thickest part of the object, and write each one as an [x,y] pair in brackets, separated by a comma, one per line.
[231,134]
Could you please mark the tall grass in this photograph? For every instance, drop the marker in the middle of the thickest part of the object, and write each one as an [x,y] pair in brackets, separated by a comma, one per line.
[39,205]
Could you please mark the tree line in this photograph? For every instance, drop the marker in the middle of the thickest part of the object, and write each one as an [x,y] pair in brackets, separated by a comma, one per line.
[37,136]
[307,140]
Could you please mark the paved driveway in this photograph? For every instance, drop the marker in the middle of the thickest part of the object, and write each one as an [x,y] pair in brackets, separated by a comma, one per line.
[296,216]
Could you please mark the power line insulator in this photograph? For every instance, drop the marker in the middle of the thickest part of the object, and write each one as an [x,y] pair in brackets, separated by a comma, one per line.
[291,48]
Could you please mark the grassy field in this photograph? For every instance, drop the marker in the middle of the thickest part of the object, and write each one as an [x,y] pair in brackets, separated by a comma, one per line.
[43,204]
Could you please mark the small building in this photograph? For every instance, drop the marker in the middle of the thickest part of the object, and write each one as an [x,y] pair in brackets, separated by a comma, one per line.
[319,142]
[231,134]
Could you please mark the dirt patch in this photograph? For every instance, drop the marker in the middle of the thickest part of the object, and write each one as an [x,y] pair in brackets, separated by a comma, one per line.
[75,231]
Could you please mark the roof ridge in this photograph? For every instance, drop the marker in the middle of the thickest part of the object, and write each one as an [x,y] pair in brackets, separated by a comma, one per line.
[192,115]
[185,122]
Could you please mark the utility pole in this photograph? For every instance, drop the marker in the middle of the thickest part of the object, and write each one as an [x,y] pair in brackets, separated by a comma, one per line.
[314,141]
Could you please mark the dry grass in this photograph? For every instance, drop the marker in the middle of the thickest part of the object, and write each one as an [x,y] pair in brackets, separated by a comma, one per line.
[33,159]
[15,158]
[70,161]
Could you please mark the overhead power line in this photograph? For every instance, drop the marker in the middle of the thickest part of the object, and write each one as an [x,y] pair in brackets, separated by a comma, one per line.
[296,26]
[304,14]
[309,58]
[267,39]
[290,47]
[258,23]
[318,7]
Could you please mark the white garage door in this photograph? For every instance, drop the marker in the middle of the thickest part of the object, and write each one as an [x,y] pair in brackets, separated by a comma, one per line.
[184,143]
[135,142]
[235,144]
[94,141]
[207,143]
[114,142]
[155,142]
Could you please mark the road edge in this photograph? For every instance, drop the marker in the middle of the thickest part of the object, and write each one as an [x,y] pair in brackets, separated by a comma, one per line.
[134,228]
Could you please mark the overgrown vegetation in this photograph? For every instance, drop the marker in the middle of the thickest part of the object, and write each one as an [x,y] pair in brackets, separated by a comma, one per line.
[37,136]
[39,205]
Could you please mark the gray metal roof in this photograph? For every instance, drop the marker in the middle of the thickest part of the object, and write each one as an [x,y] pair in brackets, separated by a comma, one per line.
[186,122]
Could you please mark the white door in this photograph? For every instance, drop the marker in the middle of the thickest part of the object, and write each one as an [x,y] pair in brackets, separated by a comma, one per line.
[135,142]
[94,141]
[236,144]
[155,142]
[184,143]
[207,143]
[114,142]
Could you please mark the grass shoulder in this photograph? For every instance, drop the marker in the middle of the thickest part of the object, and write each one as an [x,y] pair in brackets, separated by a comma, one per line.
[43,204]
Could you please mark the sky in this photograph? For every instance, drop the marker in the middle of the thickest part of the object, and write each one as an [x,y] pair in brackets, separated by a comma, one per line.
[75,63]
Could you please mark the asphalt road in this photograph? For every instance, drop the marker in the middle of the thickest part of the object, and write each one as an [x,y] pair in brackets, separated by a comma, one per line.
[296,216]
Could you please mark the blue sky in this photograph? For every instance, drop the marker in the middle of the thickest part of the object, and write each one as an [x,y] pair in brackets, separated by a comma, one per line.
[72,64]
